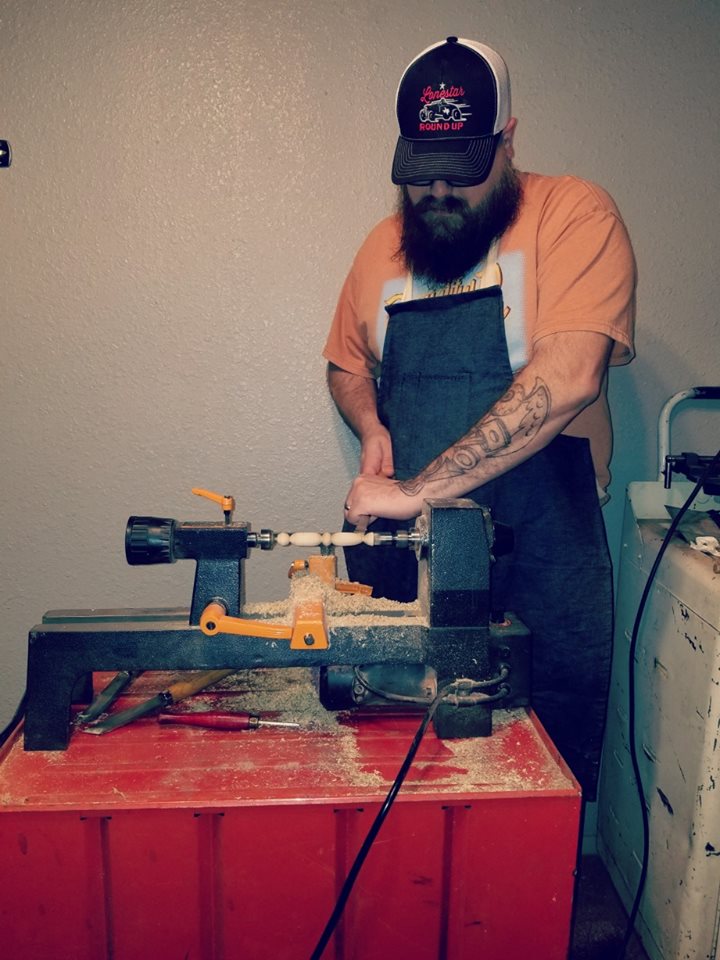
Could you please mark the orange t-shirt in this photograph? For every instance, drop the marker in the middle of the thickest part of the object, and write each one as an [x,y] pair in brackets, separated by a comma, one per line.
[565,264]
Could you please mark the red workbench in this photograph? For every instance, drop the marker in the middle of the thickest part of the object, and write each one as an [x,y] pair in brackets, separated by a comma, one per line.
[182,843]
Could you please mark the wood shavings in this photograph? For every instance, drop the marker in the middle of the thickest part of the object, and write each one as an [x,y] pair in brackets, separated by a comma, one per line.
[349,607]
[289,692]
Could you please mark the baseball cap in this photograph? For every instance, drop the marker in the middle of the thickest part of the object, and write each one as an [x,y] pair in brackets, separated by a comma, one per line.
[452,104]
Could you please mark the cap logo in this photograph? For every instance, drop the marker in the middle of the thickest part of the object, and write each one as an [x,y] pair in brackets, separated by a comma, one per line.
[443,108]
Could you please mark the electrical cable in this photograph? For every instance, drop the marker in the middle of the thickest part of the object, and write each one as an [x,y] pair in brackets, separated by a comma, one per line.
[17,717]
[362,679]
[460,701]
[632,916]
[375,827]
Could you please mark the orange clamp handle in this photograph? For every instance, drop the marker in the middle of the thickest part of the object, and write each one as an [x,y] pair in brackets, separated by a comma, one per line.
[309,629]
[214,619]
[226,502]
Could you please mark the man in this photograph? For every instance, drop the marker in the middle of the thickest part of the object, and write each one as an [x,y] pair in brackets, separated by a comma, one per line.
[489,307]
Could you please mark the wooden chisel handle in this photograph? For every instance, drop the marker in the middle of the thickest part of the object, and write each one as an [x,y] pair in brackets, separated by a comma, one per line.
[222,720]
[217,721]
[186,688]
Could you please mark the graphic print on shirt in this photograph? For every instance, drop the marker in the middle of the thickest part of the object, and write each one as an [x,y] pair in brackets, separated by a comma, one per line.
[443,109]
[508,272]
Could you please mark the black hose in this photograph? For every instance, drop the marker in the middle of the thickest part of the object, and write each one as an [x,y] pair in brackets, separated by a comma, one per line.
[375,828]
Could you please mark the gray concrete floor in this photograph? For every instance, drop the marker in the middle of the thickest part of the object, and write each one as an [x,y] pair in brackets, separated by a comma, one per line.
[600,918]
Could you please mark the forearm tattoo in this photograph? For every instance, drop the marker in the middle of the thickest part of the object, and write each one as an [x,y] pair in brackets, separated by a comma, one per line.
[507,427]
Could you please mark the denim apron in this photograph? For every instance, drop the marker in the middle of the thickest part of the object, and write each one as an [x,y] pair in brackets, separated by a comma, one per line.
[445,363]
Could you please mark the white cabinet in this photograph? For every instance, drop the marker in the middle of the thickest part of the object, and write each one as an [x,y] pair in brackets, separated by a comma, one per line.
[677,733]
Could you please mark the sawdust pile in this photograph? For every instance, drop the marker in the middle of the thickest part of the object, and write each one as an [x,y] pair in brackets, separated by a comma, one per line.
[291,694]
[344,609]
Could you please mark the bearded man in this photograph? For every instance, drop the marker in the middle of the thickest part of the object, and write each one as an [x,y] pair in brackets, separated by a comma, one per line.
[469,353]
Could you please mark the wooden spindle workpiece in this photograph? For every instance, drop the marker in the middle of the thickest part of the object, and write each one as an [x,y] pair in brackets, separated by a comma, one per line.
[314,539]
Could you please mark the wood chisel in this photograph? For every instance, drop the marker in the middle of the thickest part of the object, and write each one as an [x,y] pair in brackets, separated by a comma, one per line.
[223,720]
[176,691]
[107,696]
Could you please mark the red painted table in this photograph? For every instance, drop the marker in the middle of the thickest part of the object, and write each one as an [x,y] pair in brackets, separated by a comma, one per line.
[163,841]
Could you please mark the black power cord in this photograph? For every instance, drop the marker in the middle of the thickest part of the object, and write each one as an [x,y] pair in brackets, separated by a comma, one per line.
[17,717]
[469,691]
[632,916]
[375,827]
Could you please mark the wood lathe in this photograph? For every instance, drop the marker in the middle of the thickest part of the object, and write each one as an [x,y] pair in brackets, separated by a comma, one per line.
[366,652]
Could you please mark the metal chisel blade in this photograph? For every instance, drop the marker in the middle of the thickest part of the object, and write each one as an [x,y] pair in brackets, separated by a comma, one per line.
[126,716]
[107,696]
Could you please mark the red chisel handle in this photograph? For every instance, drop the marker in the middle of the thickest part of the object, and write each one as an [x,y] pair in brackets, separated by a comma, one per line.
[221,720]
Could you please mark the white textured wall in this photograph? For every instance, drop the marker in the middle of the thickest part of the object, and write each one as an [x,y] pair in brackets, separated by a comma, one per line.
[190,181]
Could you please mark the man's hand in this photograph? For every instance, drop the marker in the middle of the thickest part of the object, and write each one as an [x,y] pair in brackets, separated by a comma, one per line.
[376,461]
[373,496]
[356,399]
[376,458]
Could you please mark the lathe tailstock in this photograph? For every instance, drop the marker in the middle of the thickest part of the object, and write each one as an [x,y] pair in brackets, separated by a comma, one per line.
[446,638]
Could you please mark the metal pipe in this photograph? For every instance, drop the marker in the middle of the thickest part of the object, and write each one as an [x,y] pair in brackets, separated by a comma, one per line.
[696,393]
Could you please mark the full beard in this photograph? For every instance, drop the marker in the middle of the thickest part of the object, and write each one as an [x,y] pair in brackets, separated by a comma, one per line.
[441,240]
